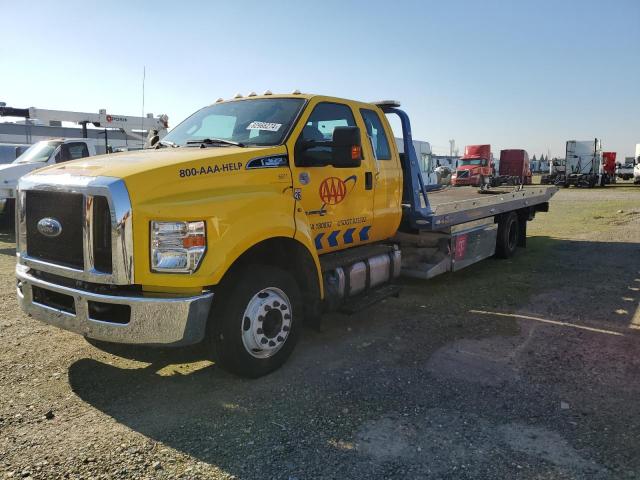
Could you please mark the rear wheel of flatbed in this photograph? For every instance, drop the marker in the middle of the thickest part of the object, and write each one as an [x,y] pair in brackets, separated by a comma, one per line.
[508,235]
[255,320]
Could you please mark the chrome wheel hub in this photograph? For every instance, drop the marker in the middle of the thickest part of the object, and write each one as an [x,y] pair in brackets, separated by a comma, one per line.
[266,323]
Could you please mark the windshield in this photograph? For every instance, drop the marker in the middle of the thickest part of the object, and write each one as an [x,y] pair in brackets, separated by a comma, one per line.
[473,161]
[263,121]
[38,152]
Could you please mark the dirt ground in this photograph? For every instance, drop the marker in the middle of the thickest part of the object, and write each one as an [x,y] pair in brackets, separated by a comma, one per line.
[527,368]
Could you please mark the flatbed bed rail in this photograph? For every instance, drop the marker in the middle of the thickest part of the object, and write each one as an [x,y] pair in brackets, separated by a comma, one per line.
[456,205]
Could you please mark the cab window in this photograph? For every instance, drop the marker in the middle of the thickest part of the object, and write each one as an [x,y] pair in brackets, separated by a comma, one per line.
[325,118]
[72,151]
[376,133]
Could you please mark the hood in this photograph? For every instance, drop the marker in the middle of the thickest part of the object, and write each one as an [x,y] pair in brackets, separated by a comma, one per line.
[11,172]
[153,174]
[128,164]
[468,167]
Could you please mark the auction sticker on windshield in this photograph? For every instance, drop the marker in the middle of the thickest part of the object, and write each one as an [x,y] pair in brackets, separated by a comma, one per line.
[269,127]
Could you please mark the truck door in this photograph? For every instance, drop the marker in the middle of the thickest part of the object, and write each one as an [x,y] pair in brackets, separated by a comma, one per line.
[387,179]
[338,201]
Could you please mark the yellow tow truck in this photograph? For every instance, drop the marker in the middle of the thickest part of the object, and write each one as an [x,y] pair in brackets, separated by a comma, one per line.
[251,215]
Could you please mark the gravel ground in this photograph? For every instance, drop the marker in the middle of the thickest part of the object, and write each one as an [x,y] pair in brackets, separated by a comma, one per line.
[528,368]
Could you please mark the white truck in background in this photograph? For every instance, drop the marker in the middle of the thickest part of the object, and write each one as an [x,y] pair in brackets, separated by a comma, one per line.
[583,163]
[636,168]
[624,169]
[40,155]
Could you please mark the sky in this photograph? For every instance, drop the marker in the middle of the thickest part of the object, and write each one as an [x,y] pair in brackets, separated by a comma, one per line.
[515,74]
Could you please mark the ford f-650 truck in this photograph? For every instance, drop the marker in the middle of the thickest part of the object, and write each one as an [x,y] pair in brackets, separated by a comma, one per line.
[250,216]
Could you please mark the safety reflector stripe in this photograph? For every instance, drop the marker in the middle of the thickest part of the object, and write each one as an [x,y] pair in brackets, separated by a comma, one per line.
[346,235]
[333,238]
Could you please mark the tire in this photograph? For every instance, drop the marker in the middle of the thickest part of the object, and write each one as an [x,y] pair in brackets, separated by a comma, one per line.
[508,235]
[252,299]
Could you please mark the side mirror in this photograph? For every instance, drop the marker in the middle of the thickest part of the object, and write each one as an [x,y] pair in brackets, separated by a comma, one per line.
[347,147]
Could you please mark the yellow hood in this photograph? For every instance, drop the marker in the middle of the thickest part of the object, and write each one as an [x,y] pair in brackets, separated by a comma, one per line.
[175,173]
[127,164]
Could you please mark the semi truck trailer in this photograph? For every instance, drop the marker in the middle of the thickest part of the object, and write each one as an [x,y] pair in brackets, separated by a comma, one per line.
[513,168]
[608,168]
[253,215]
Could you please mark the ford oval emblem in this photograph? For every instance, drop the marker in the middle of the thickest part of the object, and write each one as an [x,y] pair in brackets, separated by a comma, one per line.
[49,227]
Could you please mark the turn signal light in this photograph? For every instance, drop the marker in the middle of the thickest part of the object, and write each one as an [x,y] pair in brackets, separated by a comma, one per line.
[356,152]
[190,242]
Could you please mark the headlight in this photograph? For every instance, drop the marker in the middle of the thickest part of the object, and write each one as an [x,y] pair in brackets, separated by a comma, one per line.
[177,247]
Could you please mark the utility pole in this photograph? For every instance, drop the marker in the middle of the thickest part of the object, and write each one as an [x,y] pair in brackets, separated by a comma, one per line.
[452,147]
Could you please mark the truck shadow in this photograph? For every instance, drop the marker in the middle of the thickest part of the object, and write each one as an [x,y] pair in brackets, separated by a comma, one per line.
[374,361]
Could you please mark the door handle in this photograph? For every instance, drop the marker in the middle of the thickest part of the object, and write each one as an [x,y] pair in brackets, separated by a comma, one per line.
[368,180]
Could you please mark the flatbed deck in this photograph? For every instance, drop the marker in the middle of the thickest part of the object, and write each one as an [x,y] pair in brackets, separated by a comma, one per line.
[454,205]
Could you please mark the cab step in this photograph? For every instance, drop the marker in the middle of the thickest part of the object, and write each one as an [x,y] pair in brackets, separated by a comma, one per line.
[368,298]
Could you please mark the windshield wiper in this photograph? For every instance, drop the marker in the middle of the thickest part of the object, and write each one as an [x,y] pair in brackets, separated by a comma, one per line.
[165,143]
[214,141]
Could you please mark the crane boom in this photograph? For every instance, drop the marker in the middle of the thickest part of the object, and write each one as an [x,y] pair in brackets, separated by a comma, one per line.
[102,119]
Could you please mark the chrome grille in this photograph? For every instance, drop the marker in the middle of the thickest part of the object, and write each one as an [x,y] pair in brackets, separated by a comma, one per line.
[96,213]
[67,208]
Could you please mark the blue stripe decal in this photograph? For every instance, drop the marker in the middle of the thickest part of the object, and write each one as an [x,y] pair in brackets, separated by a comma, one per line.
[364,233]
[333,238]
[318,241]
[348,235]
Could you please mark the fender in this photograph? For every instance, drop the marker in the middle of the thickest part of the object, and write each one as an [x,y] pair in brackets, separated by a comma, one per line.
[236,220]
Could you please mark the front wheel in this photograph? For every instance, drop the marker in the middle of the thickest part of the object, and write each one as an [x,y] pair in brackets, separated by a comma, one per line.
[255,320]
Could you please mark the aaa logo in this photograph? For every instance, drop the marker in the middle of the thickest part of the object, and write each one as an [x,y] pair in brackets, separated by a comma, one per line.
[333,190]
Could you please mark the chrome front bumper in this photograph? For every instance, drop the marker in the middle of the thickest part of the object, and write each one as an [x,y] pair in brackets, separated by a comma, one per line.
[152,321]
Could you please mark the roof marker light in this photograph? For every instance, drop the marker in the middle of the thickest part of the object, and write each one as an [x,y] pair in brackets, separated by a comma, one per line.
[237,95]
[220,100]
[296,92]
[387,103]
[267,92]
[252,94]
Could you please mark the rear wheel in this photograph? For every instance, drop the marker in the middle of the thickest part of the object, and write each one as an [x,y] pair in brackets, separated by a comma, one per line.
[508,235]
[254,325]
